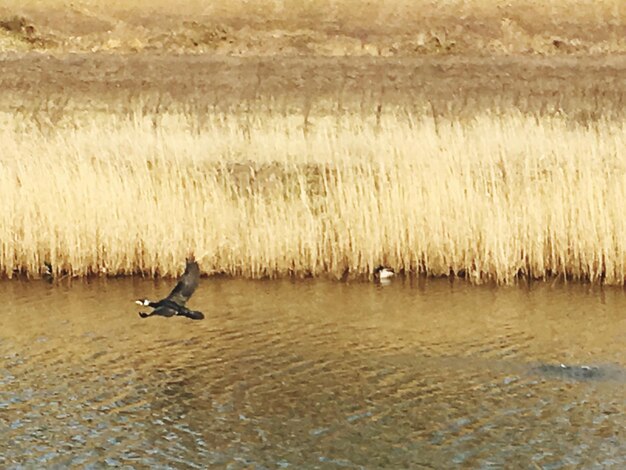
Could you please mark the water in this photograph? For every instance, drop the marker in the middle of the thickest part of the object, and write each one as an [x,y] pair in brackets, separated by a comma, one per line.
[417,374]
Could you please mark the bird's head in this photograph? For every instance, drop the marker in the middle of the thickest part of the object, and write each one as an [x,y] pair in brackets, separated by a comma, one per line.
[143,302]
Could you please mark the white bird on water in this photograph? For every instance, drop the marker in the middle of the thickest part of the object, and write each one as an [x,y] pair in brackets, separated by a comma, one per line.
[382,273]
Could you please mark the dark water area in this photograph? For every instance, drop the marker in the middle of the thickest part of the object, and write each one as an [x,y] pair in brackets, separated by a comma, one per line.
[315,374]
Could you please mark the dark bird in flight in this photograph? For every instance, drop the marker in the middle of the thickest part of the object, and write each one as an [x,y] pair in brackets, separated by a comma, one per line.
[174,304]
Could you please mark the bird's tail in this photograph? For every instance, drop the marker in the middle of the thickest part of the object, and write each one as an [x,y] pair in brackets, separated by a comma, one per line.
[193,314]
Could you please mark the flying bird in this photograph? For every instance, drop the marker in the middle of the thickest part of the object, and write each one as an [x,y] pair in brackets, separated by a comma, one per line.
[174,303]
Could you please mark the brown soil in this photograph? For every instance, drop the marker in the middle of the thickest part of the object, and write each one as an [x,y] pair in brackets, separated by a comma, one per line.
[318,27]
[408,55]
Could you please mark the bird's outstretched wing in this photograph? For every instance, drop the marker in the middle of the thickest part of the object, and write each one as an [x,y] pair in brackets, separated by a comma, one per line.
[187,284]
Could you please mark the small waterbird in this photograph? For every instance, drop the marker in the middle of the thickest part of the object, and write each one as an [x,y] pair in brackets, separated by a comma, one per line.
[48,273]
[381,273]
[174,303]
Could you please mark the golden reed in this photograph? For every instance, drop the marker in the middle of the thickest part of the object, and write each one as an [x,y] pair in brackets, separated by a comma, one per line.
[491,198]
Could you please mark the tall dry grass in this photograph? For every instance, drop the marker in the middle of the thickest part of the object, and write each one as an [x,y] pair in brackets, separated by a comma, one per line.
[266,194]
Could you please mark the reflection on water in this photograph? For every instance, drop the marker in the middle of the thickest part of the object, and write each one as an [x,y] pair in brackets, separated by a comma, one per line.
[312,375]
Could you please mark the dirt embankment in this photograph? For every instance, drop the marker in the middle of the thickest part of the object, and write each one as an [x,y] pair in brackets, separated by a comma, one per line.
[453,60]
[321,28]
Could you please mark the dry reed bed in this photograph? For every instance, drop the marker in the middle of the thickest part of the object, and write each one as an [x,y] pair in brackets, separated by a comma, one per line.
[489,198]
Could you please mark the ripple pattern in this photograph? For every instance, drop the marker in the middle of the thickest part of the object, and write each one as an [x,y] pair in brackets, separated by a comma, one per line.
[310,375]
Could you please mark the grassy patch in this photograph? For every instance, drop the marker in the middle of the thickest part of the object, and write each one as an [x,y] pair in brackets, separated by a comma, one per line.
[495,197]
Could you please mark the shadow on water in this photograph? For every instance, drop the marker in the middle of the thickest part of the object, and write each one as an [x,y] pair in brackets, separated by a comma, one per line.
[417,374]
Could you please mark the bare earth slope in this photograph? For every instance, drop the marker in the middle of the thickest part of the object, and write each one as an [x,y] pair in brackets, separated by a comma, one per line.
[322,27]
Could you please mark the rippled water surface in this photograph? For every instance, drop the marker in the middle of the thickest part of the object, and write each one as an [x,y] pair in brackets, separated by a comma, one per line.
[313,375]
